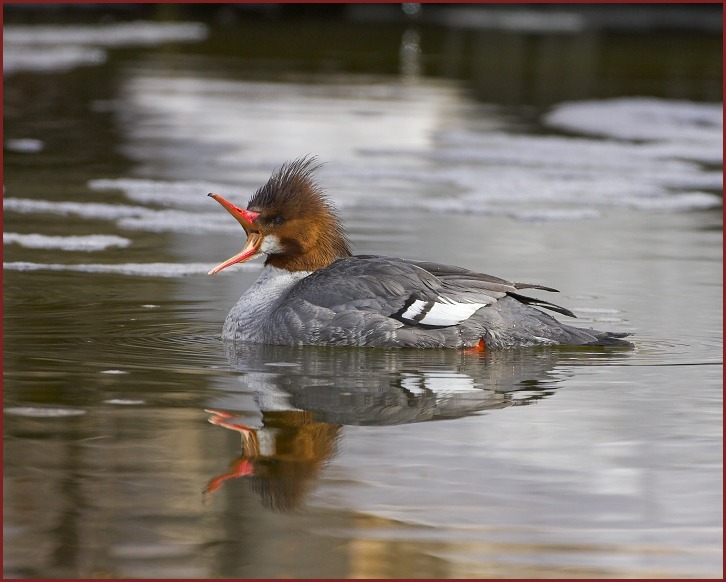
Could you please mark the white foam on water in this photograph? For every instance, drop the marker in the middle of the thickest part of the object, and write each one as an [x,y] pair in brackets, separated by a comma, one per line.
[133,269]
[94,242]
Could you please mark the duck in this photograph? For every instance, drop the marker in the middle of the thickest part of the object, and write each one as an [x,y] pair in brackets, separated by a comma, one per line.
[313,290]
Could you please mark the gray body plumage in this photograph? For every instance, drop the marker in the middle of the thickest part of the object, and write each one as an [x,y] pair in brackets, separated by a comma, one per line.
[396,303]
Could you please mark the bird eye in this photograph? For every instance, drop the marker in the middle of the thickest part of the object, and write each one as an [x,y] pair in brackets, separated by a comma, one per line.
[277,220]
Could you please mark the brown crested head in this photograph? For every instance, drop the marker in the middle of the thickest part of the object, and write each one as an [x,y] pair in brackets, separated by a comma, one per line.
[291,220]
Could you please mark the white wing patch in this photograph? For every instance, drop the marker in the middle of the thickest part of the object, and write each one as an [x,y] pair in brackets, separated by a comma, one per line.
[414,309]
[442,312]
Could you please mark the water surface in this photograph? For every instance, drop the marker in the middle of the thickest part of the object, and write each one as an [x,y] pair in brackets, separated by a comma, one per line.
[138,444]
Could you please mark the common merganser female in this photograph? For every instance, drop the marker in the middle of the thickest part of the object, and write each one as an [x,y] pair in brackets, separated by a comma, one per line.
[314,291]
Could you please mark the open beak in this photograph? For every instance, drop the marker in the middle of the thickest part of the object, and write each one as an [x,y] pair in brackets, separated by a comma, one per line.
[254,238]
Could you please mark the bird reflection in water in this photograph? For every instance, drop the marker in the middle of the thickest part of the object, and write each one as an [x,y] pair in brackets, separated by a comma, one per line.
[308,394]
[280,460]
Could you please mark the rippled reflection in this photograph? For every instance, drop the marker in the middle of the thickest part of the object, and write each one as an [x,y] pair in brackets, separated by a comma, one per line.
[306,394]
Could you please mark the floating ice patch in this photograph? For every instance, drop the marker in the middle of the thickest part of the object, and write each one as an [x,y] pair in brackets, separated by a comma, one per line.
[51,48]
[94,242]
[641,118]
[83,209]
[24,146]
[520,177]
[40,412]
[546,178]
[659,167]
[674,202]
[553,214]
[137,33]
[49,59]
[554,21]
[558,153]
[124,402]
[134,269]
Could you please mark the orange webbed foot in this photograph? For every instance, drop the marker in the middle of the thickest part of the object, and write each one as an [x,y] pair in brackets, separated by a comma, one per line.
[480,347]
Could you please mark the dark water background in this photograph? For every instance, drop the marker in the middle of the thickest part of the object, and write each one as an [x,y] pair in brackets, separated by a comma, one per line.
[575,147]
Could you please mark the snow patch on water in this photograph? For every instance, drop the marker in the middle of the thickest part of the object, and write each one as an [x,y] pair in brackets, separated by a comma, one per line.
[134,269]
[94,242]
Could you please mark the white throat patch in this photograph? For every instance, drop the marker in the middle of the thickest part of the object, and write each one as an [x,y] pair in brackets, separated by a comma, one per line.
[271,245]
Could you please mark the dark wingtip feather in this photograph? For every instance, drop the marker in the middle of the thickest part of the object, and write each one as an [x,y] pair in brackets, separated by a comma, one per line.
[534,286]
[542,303]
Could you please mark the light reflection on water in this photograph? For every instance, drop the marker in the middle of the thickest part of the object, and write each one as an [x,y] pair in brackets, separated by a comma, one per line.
[359,463]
